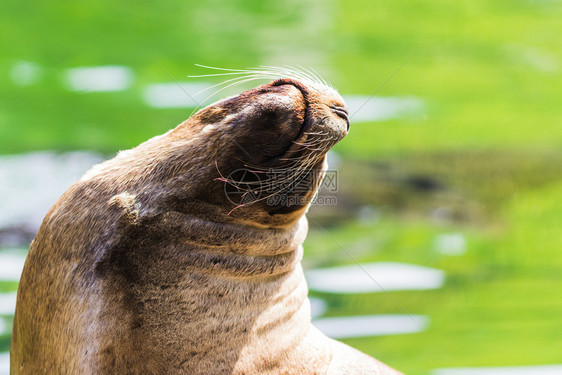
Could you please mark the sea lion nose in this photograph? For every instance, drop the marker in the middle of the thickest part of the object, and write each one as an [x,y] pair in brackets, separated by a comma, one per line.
[341,112]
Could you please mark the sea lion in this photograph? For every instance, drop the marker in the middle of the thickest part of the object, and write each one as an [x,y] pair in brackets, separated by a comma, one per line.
[157,262]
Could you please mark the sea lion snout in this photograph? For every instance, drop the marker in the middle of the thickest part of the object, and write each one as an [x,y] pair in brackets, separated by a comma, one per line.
[342,113]
[321,100]
[258,156]
[275,139]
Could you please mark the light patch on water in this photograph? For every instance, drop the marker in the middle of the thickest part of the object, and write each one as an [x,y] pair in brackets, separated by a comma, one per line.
[544,2]
[367,215]
[534,57]
[4,363]
[176,95]
[11,265]
[540,60]
[31,183]
[374,277]
[363,108]
[334,160]
[442,215]
[513,370]
[26,73]
[8,303]
[453,244]
[317,306]
[371,325]
[99,78]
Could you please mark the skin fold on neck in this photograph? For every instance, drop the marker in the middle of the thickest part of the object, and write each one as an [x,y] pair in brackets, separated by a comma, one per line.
[228,291]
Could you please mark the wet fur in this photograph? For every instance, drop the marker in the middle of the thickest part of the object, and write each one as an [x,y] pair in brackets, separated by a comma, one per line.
[145,266]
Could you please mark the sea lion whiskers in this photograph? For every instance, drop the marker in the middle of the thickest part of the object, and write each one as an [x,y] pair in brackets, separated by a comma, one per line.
[237,81]
[317,133]
[312,143]
[244,78]
[299,164]
[248,76]
[273,184]
[290,72]
[261,72]
[278,186]
[303,74]
[277,72]
[294,162]
[317,76]
[310,146]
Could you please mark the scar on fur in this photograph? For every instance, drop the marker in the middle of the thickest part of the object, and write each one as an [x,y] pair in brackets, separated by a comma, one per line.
[127,202]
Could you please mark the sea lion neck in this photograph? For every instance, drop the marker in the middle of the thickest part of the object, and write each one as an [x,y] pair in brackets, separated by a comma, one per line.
[246,240]
[227,249]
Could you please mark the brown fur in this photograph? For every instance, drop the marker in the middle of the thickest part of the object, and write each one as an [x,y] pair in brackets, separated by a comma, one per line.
[146,266]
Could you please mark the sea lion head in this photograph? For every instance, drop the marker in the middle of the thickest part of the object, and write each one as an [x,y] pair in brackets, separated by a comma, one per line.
[260,156]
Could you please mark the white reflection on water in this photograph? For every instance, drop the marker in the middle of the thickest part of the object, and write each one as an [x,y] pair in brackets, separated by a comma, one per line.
[371,325]
[538,59]
[4,363]
[176,94]
[11,265]
[374,277]
[31,183]
[363,108]
[25,73]
[99,78]
[317,306]
[8,303]
[519,370]
[450,244]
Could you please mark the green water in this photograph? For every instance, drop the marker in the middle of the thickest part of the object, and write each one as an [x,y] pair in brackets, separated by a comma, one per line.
[489,73]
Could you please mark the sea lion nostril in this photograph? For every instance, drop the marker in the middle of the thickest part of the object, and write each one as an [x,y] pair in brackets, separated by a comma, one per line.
[341,112]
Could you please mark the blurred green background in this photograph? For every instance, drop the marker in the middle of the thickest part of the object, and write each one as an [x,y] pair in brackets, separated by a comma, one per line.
[487,150]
